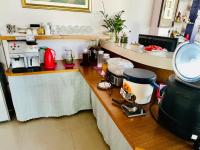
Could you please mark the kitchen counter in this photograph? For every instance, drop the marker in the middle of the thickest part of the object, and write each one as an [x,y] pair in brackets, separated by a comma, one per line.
[140,132]
[164,61]
[54,37]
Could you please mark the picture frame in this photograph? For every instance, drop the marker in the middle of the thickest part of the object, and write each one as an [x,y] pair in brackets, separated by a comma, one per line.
[168,13]
[64,5]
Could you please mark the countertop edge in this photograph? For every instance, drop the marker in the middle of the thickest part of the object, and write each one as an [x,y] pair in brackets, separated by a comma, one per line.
[142,58]
[107,110]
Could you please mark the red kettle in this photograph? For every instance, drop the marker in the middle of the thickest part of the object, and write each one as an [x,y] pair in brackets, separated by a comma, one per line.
[49,59]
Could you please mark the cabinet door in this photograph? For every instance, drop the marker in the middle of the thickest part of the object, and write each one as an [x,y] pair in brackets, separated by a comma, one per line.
[4,115]
[112,135]
[49,95]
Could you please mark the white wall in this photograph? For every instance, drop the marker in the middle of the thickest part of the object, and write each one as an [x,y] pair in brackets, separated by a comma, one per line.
[138,14]
[12,12]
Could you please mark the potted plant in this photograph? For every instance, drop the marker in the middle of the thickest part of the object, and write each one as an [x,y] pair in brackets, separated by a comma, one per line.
[118,24]
[108,24]
[114,24]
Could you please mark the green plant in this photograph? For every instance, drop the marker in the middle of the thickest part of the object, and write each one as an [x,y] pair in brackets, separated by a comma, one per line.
[108,22]
[114,23]
[118,22]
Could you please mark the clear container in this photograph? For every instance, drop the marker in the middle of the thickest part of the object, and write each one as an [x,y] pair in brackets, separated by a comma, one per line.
[100,59]
[105,64]
[106,57]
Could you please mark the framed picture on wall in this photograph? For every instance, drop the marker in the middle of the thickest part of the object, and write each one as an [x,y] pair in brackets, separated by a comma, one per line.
[65,5]
[168,13]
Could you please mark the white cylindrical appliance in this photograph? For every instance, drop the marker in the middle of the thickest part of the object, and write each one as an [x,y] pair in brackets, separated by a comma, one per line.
[140,83]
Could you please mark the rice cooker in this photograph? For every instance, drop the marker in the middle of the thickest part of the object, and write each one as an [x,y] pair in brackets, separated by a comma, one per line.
[179,109]
[116,67]
[140,83]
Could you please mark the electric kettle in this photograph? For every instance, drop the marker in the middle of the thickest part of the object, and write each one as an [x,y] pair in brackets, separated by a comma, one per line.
[49,59]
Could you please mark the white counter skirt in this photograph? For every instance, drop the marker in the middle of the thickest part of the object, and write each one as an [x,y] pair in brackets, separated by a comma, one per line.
[49,95]
[54,95]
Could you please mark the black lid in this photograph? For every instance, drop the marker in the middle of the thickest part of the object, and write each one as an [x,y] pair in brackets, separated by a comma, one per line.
[140,76]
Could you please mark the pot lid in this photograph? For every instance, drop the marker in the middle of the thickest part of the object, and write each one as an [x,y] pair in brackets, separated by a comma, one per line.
[118,65]
[140,76]
[186,62]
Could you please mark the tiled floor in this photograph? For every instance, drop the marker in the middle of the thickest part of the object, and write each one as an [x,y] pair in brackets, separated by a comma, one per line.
[78,132]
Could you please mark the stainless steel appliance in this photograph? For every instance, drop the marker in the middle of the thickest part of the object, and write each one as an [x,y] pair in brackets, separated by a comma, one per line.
[116,67]
[24,57]
[114,79]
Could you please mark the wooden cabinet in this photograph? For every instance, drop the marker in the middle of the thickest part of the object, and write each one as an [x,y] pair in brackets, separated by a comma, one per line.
[112,135]
[49,95]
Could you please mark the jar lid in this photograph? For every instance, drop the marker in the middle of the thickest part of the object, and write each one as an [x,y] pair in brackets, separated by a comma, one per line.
[105,55]
[140,76]
[100,52]
[118,65]
[186,62]
[85,50]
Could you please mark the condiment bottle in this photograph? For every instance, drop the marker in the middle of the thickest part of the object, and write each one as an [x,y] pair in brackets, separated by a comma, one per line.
[47,29]
[100,59]
[86,55]
[41,30]
[105,64]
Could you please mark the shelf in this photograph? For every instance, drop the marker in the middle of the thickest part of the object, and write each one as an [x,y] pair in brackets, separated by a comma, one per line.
[183,22]
[60,68]
[146,58]
[56,37]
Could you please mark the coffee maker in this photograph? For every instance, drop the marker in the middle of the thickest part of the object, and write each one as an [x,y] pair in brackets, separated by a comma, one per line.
[23,57]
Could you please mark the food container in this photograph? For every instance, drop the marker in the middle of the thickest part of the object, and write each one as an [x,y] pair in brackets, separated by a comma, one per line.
[139,83]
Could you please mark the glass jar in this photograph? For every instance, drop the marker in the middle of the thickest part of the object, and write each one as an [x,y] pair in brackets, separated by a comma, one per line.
[100,59]
[106,57]
[105,64]
[69,57]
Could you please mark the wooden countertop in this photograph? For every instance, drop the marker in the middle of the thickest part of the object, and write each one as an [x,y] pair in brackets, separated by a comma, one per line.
[163,61]
[60,68]
[55,37]
[140,132]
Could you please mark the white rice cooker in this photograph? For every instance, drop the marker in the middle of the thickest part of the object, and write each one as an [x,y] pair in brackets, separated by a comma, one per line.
[139,83]
[116,67]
